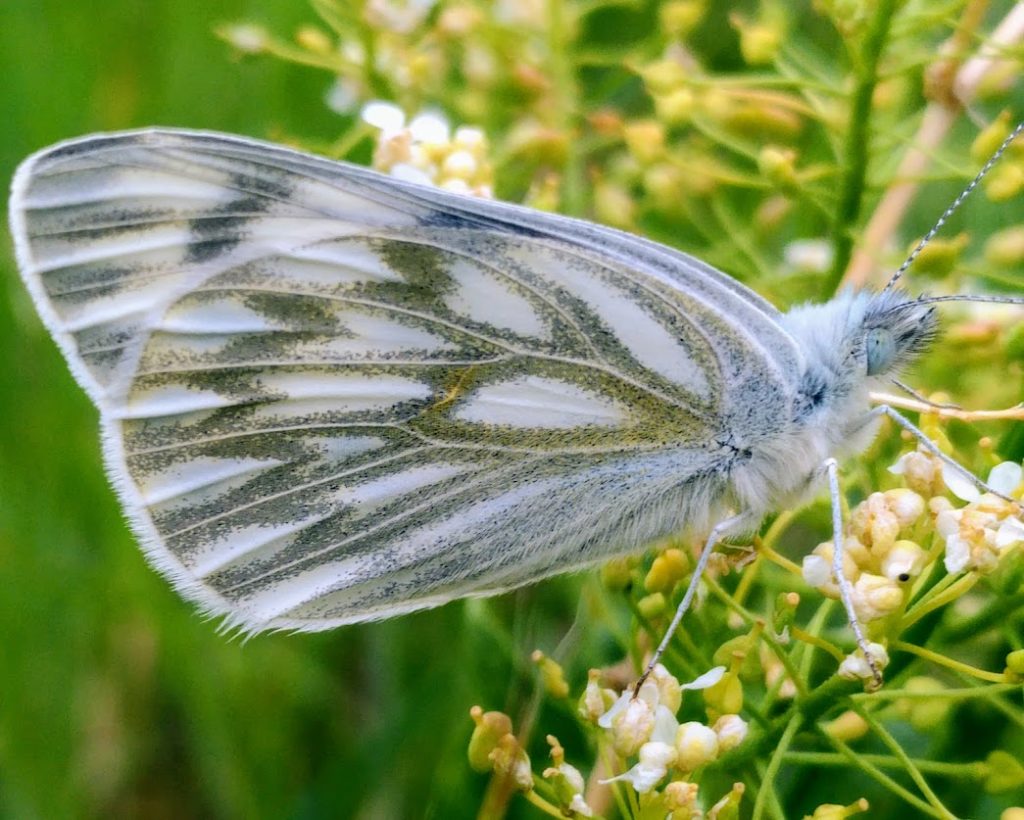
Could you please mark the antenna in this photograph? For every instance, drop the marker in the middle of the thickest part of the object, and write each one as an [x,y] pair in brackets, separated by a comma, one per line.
[952,208]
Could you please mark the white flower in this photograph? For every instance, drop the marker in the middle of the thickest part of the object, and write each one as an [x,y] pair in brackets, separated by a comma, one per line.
[856,666]
[1004,478]
[579,806]
[399,16]
[343,95]
[809,255]
[904,561]
[655,759]
[731,730]
[696,744]
[979,534]
[875,596]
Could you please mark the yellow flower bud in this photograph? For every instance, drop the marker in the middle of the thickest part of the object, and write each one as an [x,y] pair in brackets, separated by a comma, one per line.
[1005,248]
[663,76]
[490,728]
[1015,662]
[778,166]
[833,811]
[617,574]
[675,107]
[728,808]
[939,259]
[1004,181]
[679,17]
[510,761]
[1005,772]
[726,696]
[595,700]
[923,713]
[681,799]
[313,39]
[645,140]
[551,675]
[990,138]
[651,606]
[666,570]
[731,730]
[904,561]
[848,726]
[759,42]
[875,596]
[613,204]
[696,744]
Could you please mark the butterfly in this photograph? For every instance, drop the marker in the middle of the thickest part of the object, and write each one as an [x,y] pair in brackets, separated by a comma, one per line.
[330,396]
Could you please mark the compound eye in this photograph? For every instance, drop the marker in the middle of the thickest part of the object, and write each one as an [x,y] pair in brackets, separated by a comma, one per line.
[880,349]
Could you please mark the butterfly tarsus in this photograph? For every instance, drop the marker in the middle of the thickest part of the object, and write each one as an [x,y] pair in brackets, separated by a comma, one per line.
[720,530]
[831,467]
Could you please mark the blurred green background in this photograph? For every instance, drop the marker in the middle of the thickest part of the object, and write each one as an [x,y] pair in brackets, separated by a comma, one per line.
[115,698]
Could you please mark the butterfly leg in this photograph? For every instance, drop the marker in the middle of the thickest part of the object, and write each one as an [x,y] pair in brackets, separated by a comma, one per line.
[845,587]
[721,529]
[930,446]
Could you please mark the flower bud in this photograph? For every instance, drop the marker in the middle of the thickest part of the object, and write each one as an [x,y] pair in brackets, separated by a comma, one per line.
[313,39]
[731,730]
[663,76]
[1015,662]
[1004,181]
[778,166]
[666,570]
[940,259]
[833,811]
[923,714]
[675,107]
[728,808]
[696,744]
[679,17]
[1005,248]
[651,606]
[875,596]
[551,675]
[856,666]
[990,138]
[848,726]
[632,722]
[1005,772]
[904,561]
[645,140]
[595,701]
[511,762]
[490,728]
[670,693]
[906,505]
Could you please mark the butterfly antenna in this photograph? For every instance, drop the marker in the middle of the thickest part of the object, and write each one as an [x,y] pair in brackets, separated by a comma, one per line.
[953,207]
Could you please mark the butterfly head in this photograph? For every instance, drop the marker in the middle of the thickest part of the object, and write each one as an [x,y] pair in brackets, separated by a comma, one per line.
[896,329]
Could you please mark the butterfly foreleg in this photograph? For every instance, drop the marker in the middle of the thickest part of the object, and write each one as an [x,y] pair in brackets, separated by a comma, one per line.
[845,587]
[720,530]
[932,447]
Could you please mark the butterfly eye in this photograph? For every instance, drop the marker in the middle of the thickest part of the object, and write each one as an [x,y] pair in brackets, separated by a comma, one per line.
[880,350]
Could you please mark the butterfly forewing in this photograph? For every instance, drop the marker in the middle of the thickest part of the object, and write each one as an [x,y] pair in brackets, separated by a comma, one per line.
[329,396]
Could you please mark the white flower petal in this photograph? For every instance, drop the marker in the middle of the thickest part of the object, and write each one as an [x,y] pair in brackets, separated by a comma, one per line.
[1006,477]
[958,484]
[386,116]
[900,467]
[958,554]
[605,721]
[665,725]
[707,680]
[430,126]
[816,570]
[1010,531]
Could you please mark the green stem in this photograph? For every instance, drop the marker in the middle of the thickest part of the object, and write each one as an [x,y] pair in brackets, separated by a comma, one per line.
[858,133]
[774,765]
[967,771]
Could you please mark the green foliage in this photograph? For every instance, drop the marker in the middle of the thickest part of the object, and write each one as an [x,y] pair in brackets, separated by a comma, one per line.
[737,132]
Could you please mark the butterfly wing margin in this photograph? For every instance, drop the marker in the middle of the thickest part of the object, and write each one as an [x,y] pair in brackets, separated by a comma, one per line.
[583,277]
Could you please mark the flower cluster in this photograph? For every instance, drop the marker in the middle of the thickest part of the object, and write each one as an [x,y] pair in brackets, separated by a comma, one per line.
[425,150]
[882,548]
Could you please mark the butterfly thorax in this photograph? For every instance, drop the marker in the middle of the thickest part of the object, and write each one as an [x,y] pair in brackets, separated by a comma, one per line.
[850,345]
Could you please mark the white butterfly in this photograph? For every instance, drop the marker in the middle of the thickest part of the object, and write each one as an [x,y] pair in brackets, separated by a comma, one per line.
[329,396]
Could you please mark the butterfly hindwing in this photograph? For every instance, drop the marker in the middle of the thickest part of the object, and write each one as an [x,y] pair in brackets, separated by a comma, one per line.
[330,396]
